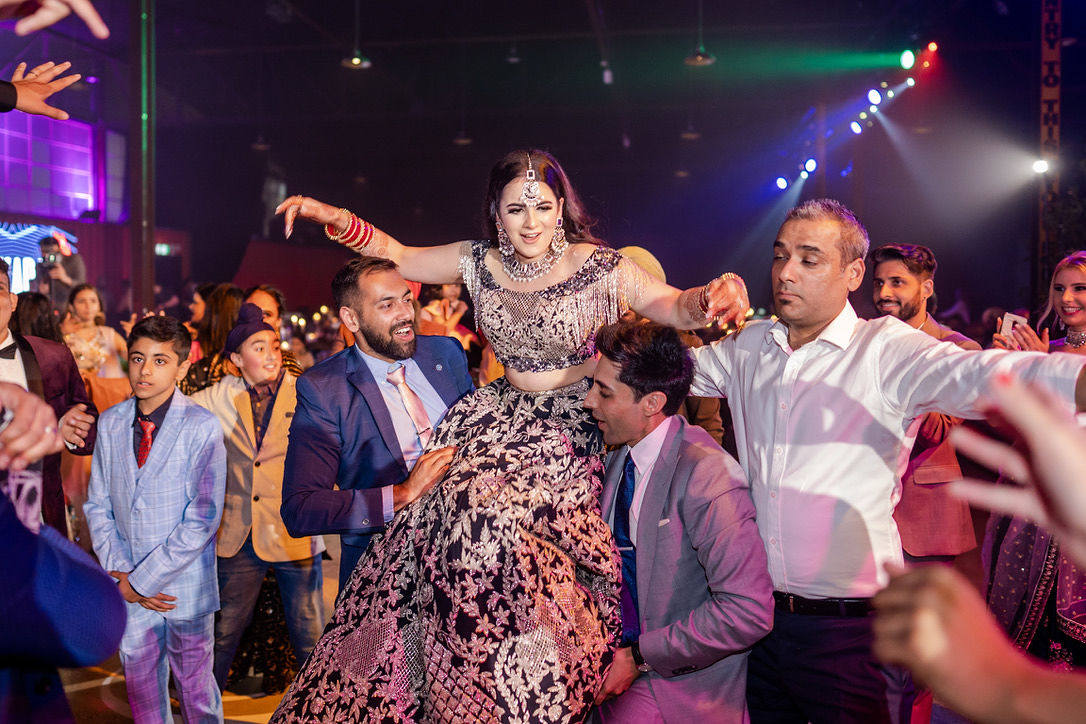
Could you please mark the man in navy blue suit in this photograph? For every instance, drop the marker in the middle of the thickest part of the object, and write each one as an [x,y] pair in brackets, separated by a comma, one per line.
[364,415]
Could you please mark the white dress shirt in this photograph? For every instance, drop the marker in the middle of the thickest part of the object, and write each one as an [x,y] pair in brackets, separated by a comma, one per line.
[820,431]
[644,453]
[406,432]
[12,370]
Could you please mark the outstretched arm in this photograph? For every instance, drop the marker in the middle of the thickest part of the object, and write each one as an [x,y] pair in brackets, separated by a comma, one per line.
[724,298]
[427,264]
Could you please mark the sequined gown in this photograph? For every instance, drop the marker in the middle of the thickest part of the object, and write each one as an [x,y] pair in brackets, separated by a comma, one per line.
[494,598]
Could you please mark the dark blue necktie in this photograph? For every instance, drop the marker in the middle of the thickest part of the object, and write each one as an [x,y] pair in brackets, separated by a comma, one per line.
[631,623]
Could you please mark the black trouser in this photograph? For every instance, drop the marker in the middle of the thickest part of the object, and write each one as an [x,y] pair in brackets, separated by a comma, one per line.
[821,669]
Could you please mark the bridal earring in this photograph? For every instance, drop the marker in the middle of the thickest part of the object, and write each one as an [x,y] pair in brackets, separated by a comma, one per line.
[504,245]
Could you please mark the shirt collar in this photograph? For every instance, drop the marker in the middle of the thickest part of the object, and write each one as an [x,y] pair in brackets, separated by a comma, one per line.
[157,416]
[838,332]
[645,451]
[380,368]
[268,388]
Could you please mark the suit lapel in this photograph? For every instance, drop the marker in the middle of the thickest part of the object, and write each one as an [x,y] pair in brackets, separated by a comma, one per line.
[30,366]
[122,439]
[286,399]
[358,374]
[652,504]
[437,371]
[244,407]
[611,478]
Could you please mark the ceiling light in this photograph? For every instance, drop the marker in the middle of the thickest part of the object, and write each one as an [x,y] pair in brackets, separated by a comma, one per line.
[701,57]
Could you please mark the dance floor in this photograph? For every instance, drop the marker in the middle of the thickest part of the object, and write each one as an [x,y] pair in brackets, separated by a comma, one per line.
[97,693]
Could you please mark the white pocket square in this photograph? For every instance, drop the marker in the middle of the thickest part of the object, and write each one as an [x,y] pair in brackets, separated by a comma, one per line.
[663,522]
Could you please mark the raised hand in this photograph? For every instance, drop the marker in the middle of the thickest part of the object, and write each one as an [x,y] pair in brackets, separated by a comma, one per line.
[34,87]
[313,210]
[726,299]
[1052,489]
[43,13]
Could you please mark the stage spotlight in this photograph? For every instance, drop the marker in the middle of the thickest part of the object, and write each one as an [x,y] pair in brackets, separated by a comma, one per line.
[1040,166]
[890,93]
[933,46]
[810,165]
[908,59]
[356,62]
[910,81]
[856,128]
[803,174]
[782,183]
[873,109]
[927,64]
[874,97]
[863,115]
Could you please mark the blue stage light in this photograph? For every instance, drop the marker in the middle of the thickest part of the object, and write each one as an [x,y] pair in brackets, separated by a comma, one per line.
[810,165]
[856,128]
[803,174]
[874,97]
[782,183]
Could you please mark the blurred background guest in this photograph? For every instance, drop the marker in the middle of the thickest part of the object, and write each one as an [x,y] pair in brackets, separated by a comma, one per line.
[34,316]
[100,354]
[59,270]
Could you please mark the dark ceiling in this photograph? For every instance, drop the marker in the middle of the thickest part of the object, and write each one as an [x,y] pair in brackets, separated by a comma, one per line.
[381,140]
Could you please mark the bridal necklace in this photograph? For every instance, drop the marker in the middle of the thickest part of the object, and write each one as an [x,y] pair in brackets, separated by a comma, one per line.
[520,271]
[1075,339]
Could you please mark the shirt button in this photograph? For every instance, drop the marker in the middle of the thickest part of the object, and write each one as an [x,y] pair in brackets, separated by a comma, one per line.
[365,521]
[256,464]
[779,451]
[256,498]
[784,406]
[772,541]
[773,495]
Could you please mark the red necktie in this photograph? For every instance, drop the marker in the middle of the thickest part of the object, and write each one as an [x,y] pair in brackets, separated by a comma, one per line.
[148,427]
[414,405]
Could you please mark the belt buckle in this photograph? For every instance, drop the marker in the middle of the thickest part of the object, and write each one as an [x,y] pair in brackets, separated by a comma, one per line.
[791,603]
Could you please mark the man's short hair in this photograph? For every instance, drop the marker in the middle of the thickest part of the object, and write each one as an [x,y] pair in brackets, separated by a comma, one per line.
[275,294]
[853,241]
[158,328]
[345,282]
[651,358]
[5,270]
[919,260]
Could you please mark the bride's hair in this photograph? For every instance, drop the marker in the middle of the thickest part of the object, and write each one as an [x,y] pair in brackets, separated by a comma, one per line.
[577,223]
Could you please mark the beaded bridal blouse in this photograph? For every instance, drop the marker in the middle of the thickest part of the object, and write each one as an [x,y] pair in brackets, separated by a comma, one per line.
[555,327]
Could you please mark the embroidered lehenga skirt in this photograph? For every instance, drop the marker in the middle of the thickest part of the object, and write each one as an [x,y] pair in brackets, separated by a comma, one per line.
[494,598]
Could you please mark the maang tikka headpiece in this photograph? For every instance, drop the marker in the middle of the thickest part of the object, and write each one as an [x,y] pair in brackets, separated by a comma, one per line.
[530,195]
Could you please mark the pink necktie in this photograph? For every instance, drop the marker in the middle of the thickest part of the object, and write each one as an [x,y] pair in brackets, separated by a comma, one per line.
[413,404]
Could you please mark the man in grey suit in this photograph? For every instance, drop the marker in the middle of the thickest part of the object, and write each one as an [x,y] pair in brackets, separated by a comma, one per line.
[696,592]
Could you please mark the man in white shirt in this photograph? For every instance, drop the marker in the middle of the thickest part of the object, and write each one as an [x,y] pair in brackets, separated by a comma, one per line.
[822,403]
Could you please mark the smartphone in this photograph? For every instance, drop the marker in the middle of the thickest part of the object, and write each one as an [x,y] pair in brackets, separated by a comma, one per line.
[1010,321]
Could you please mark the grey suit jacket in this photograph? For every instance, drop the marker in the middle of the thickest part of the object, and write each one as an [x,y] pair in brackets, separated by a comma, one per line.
[703,586]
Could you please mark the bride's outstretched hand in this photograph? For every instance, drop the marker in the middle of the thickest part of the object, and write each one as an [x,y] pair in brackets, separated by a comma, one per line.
[307,208]
[726,299]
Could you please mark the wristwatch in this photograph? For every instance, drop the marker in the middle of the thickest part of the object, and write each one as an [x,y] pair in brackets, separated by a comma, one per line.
[639,660]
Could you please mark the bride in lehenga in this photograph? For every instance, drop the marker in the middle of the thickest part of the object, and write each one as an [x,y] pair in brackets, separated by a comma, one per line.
[495,596]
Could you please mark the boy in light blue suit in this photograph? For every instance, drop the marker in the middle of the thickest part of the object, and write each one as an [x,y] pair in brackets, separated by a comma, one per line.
[156,491]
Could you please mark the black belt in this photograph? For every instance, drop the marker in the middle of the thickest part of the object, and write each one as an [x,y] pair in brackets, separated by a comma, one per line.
[844,607]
